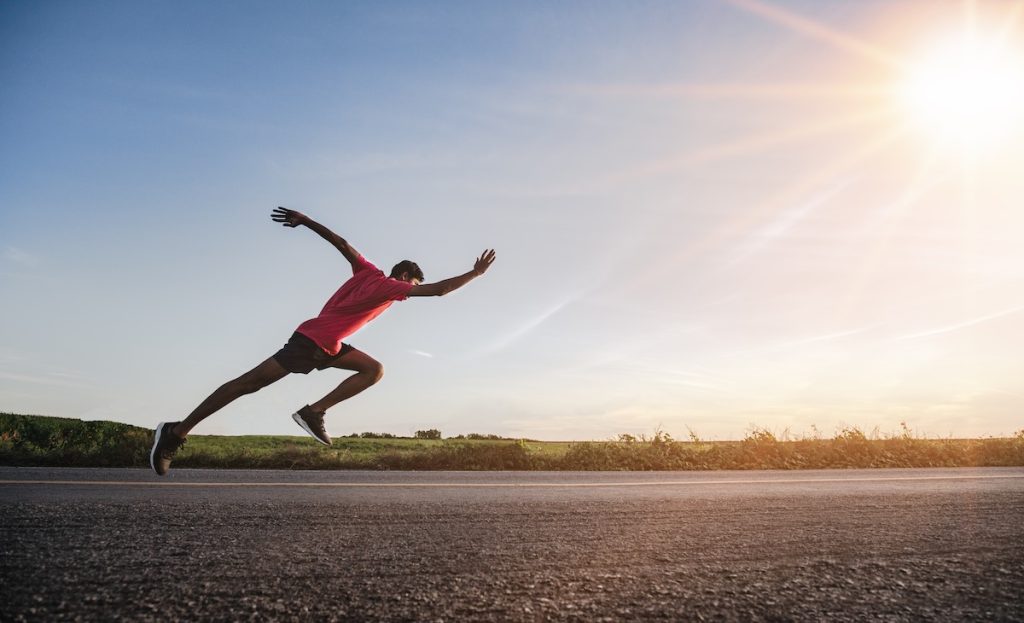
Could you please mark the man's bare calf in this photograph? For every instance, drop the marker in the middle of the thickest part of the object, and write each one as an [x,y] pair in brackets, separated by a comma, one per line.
[368,370]
[252,381]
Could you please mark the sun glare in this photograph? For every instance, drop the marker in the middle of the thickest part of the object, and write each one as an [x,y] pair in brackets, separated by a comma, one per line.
[967,92]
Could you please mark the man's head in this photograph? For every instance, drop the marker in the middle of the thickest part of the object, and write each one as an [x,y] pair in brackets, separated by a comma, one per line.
[408,271]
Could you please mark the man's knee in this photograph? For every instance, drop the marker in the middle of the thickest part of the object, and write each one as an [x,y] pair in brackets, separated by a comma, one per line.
[375,371]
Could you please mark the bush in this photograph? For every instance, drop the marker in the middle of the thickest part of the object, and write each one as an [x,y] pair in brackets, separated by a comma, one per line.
[38,440]
[432,433]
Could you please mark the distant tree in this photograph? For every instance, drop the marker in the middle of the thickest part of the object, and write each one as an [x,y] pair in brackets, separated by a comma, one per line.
[432,433]
[489,436]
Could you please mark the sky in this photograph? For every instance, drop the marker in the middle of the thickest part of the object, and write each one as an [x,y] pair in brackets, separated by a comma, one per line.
[709,216]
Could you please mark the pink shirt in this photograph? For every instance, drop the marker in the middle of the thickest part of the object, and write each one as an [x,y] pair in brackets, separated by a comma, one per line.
[358,301]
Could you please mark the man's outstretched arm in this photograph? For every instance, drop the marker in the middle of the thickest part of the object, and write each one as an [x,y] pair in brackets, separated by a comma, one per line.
[444,287]
[294,218]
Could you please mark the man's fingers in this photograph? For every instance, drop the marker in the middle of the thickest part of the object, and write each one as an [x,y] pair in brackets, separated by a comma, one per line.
[282,215]
[484,261]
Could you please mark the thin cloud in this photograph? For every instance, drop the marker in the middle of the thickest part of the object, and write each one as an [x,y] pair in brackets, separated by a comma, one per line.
[520,332]
[787,220]
[962,325]
[422,354]
[42,380]
[827,337]
[18,256]
[684,377]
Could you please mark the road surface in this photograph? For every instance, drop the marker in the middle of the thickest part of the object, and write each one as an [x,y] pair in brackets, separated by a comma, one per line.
[894,545]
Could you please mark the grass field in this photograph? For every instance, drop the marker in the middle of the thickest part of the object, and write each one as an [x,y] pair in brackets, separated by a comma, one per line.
[40,440]
[364,453]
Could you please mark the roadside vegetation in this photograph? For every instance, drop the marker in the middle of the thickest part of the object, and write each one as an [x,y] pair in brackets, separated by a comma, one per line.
[50,441]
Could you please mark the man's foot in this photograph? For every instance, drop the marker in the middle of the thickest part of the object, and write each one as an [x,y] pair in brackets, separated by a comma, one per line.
[313,423]
[165,445]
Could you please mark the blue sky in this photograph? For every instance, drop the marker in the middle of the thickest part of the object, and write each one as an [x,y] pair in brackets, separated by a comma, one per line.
[708,215]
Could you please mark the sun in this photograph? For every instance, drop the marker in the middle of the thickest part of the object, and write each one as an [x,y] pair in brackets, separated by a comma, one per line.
[967,91]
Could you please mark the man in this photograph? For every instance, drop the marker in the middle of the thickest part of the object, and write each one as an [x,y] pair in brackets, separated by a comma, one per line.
[317,343]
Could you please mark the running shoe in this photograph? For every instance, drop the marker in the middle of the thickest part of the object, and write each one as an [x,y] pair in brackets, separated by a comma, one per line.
[165,445]
[313,423]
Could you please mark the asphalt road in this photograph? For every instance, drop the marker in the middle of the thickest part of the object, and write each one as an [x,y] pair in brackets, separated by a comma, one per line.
[894,545]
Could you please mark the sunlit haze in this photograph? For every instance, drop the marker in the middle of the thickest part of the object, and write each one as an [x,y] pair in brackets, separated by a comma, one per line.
[708,215]
[969,90]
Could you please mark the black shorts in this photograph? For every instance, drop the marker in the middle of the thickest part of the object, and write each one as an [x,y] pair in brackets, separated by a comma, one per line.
[302,355]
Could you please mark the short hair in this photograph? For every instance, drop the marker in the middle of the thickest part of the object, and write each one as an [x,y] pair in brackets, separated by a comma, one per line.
[407,266]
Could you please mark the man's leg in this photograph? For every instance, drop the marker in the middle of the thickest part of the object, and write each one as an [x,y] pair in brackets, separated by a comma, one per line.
[367,372]
[254,380]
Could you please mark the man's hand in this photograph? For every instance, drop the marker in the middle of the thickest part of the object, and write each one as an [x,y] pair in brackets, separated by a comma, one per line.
[294,218]
[289,218]
[449,285]
[484,262]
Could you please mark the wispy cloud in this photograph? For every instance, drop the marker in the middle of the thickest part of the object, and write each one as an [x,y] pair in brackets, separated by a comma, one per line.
[826,337]
[422,353]
[962,325]
[514,335]
[10,356]
[786,221]
[44,380]
[686,377]
[18,256]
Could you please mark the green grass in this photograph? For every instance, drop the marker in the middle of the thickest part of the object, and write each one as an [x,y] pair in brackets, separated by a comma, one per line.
[363,453]
[39,440]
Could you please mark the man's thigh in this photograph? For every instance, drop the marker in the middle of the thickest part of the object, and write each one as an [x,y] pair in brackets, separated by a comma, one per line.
[354,359]
[264,374]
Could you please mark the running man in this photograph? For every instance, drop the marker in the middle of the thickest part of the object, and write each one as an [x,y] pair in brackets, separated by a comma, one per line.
[317,343]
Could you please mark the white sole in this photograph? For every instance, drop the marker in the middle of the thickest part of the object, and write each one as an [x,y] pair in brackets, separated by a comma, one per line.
[156,442]
[301,422]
